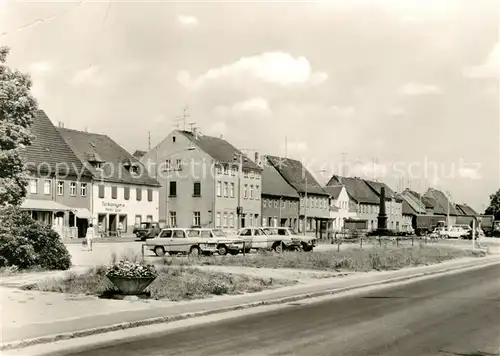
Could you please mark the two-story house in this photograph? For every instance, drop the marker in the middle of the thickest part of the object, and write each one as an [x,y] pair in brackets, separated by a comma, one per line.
[59,188]
[205,181]
[123,193]
[340,206]
[314,207]
[280,202]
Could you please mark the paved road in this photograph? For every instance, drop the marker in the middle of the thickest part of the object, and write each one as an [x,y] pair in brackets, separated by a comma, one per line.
[450,315]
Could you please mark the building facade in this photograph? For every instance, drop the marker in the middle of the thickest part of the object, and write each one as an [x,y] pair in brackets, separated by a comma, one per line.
[123,194]
[314,201]
[203,181]
[280,202]
[340,207]
[59,191]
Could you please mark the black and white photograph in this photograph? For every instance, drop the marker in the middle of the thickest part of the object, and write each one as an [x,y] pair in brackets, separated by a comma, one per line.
[250,177]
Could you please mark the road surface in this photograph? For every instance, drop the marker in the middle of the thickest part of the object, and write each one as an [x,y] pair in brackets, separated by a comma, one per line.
[450,315]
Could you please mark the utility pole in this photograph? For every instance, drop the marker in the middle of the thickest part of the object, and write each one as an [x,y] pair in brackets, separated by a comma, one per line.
[149,141]
[305,207]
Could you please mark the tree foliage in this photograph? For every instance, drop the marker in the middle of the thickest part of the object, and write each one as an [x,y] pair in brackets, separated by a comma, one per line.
[26,244]
[17,111]
[494,207]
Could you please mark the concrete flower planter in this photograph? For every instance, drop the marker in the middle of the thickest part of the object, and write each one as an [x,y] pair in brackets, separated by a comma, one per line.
[131,285]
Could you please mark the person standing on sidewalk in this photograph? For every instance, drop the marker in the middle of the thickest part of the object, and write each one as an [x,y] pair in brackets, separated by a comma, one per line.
[90,236]
[120,229]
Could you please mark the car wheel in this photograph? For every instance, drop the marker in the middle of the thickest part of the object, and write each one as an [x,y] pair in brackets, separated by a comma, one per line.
[307,248]
[159,251]
[247,250]
[278,247]
[222,250]
[194,251]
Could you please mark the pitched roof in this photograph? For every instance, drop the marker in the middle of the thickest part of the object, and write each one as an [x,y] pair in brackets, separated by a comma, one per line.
[441,202]
[139,154]
[334,190]
[377,187]
[49,152]
[296,175]
[274,184]
[466,210]
[219,149]
[357,189]
[408,209]
[97,147]
[413,199]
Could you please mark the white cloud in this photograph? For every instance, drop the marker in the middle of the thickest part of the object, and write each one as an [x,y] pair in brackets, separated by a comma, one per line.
[42,67]
[490,68]
[270,67]
[420,89]
[342,111]
[187,20]
[217,129]
[254,105]
[90,76]
[470,173]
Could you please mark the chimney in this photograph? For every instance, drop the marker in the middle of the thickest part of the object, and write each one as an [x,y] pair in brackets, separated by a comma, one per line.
[257,160]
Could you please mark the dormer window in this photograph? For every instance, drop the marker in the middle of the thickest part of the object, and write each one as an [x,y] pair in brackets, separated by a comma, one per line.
[95,160]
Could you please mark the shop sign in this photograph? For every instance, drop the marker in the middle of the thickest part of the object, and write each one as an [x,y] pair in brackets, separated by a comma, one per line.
[110,207]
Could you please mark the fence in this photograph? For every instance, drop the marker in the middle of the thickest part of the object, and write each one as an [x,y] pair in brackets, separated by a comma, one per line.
[374,240]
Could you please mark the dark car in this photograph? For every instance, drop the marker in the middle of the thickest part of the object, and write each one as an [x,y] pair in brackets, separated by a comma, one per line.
[147,230]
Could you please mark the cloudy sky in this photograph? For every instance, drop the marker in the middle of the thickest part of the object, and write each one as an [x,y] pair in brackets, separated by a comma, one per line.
[411,85]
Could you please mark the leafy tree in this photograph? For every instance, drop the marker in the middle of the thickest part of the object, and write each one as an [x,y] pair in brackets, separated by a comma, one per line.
[17,111]
[494,207]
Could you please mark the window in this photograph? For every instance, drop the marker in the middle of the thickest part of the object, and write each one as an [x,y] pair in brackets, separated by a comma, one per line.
[245,194]
[264,203]
[72,189]
[33,186]
[150,194]
[245,174]
[257,192]
[149,218]
[275,203]
[173,138]
[197,189]
[250,222]
[251,192]
[231,220]
[138,220]
[173,219]
[126,193]
[226,190]
[179,234]
[264,221]
[168,165]
[172,189]
[217,222]
[46,187]
[283,204]
[178,164]
[219,189]
[114,192]
[166,233]
[218,170]
[60,188]
[231,190]
[233,171]
[225,219]
[83,189]
[226,170]
[197,218]
[251,174]
[138,193]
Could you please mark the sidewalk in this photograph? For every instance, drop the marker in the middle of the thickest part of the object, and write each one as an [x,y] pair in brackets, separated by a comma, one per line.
[41,315]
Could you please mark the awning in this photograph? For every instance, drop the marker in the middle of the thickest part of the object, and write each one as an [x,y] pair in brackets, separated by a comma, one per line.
[44,205]
[82,213]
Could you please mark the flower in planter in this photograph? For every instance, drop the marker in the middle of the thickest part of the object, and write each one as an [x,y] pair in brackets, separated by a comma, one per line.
[128,269]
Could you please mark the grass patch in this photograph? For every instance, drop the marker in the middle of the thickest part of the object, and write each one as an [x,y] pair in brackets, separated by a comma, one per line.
[359,260]
[173,283]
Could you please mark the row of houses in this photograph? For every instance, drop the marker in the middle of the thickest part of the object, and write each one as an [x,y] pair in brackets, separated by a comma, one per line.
[190,179]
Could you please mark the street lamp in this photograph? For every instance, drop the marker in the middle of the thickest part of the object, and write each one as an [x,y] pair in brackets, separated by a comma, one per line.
[169,169]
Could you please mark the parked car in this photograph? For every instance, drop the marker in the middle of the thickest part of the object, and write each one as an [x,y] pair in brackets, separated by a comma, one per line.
[256,238]
[456,232]
[306,243]
[225,244]
[147,230]
[479,233]
[177,240]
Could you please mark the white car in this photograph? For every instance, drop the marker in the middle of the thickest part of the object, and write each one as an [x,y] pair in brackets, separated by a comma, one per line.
[455,232]
[256,238]
[177,240]
[225,243]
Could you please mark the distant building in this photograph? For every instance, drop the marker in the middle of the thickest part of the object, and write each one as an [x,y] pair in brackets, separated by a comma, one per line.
[200,182]
[314,212]
[341,208]
[123,193]
[280,201]
[59,188]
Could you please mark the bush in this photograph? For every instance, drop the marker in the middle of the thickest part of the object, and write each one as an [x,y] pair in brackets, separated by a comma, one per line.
[27,244]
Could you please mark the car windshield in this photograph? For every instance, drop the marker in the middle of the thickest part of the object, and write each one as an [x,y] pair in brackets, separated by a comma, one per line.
[145,225]
[219,233]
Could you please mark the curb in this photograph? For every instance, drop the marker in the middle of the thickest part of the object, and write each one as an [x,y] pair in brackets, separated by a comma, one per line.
[170,319]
